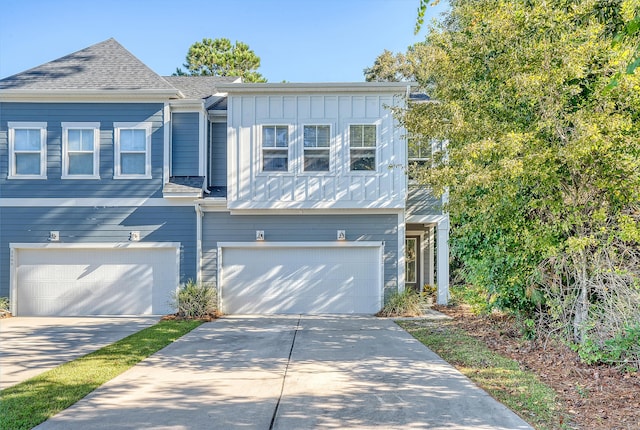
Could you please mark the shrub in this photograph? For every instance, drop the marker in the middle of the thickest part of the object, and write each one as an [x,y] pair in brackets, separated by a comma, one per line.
[408,303]
[4,307]
[193,300]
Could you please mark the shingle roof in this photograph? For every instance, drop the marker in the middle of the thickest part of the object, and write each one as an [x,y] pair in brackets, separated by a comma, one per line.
[104,66]
[184,184]
[198,87]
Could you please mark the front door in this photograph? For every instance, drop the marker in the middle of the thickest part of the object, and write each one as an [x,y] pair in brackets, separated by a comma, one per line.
[411,261]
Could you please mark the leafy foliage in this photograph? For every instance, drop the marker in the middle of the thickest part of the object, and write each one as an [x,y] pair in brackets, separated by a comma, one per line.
[408,303]
[193,300]
[219,57]
[4,306]
[542,162]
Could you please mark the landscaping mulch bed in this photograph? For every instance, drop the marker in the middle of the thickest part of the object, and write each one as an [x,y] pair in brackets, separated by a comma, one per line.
[597,397]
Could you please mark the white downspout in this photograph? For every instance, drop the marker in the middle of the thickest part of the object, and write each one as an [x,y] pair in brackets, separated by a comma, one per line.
[199,215]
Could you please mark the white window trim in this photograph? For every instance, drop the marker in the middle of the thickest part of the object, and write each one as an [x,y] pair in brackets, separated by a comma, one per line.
[66,126]
[15,125]
[117,126]
[290,127]
[330,148]
[376,148]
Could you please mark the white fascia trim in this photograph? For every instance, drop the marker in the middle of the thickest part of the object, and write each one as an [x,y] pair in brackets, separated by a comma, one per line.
[190,196]
[65,96]
[426,219]
[319,87]
[92,202]
[350,211]
[190,105]
[382,205]
[95,245]
[311,244]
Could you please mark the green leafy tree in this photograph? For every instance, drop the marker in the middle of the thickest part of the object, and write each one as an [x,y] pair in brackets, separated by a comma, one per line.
[219,57]
[542,166]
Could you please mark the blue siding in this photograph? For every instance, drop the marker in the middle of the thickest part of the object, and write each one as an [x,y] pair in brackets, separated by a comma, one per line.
[185,144]
[224,227]
[98,224]
[422,202]
[105,113]
[218,155]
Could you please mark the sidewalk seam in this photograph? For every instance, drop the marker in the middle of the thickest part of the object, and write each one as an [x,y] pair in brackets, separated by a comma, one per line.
[284,377]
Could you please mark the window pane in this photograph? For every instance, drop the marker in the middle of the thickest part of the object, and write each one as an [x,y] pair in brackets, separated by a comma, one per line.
[355,135]
[410,260]
[316,161]
[133,140]
[275,161]
[132,164]
[81,164]
[309,136]
[27,140]
[282,137]
[268,137]
[74,140]
[369,138]
[323,135]
[87,140]
[27,164]
[363,159]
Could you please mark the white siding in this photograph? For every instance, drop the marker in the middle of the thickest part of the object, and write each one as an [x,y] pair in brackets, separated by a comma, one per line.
[250,188]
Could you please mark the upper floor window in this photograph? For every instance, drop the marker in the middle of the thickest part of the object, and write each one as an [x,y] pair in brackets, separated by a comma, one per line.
[80,150]
[316,148]
[362,147]
[132,154]
[27,150]
[275,148]
[419,151]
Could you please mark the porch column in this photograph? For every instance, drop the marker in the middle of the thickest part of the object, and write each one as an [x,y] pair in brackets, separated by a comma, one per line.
[443,260]
[429,257]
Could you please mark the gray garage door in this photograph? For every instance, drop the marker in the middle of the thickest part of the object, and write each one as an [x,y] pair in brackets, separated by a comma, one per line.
[301,279]
[113,281]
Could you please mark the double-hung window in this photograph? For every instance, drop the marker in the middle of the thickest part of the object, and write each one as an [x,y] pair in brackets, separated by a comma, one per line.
[80,150]
[132,155]
[362,147]
[275,148]
[27,150]
[316,148]
[419,156]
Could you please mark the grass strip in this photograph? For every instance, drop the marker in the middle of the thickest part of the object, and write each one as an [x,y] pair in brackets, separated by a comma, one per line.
[519,390]
[33,401]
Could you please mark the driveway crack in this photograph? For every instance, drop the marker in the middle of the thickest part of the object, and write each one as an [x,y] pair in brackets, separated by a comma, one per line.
[284,378]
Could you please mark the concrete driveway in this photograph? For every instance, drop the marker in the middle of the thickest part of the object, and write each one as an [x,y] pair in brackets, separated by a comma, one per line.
[290,373]
[29,346]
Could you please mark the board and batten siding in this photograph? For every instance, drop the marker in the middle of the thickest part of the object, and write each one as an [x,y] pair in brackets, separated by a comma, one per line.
[250,188]
[218,154]
[185,145]
[54,114]
[96,225]
[224,227]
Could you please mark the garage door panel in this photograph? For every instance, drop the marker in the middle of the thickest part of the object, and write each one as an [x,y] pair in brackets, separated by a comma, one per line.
[301,280]
[76,282]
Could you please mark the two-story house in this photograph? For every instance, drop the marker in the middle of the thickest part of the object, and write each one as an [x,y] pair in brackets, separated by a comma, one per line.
[117,185]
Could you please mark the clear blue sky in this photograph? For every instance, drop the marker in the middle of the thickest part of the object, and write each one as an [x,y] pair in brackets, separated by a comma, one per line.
[297,40]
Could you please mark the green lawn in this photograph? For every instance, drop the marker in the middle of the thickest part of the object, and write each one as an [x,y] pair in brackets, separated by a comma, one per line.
[31,402]
[519,390]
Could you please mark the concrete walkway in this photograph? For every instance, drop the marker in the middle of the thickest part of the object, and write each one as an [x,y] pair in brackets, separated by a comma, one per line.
[29,346]
[290,373]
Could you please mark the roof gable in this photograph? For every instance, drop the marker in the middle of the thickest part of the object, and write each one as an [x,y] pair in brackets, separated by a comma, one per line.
[106,66]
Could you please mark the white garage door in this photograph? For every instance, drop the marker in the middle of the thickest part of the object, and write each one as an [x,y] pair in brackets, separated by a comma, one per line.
[287,278]
[73,281]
